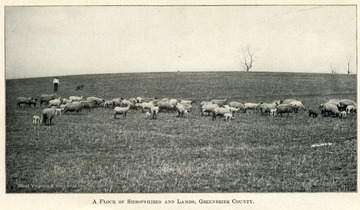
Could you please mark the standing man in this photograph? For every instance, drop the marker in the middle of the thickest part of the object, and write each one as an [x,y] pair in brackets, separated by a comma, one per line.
[56,85]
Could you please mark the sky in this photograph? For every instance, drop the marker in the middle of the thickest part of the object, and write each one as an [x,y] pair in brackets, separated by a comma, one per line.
[71,40]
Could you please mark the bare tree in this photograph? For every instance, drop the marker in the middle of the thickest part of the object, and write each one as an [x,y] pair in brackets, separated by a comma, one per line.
[247,58]
[333,69]
[348,61]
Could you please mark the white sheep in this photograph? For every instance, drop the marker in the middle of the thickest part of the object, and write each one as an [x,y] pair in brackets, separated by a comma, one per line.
[154,111]
[253,106]
[342,114]
[76,98]
[58,111]
[36,120]
[228,117]
[186,113]
[147,115]
[273,112]
[146,105]
[121,110]
[350,109]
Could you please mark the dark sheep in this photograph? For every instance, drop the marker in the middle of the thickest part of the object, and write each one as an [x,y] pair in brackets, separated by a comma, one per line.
[284,108]
[312,113]
[45,98]
[73,107]
[28,101]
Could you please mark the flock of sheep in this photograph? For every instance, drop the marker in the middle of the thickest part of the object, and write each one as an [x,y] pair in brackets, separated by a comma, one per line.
[152,106]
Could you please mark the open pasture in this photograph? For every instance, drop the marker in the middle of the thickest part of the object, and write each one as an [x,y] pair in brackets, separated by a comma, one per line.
[94,153]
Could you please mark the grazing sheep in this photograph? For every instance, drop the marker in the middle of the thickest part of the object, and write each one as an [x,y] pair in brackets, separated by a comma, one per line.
[187,102]
[329,110]
[147,115]
[65,101]
[45,98]
[238,105]
[312,113]
[73,107]
[165,105]
[297,105]
[231,109]
[181,110]
[219,102]
[350,109]
[55,102]
[147,100]
[154,112]
[108,104]
[97,101]
[252,106]
[288,101]
[342,114]
[205,103]
[57,111]
[146,105]
[47,115]
[28,101]
[346,102]
[284,108]
[173,102]
[87,104]
[121,110]
[273,112]
[126,103]
[209,108]
[266,107]
[219,111]
[36,120]
[336,102]
[228,117]
[75,98]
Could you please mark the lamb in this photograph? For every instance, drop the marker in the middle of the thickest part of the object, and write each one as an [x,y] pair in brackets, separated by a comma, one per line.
[186,113]
[147,115]
[273,112]
[36,120]
[219,111]
[58,111]
[252,106]
[45,98]
[154,111]
[25,100]
[121,110]
[47,115]
[219,102]
[342,114]
[208,108]
[284,108]
[76,98]
[228,117]
[139,100]
[73,107]
[350,109]
[237,105]
[312,113]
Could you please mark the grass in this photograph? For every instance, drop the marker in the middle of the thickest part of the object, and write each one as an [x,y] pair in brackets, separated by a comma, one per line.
[94,153]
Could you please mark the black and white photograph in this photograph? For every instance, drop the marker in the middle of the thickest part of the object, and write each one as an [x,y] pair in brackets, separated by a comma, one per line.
[187,100]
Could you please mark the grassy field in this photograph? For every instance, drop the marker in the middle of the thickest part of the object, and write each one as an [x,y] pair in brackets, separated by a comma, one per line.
[92,152]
